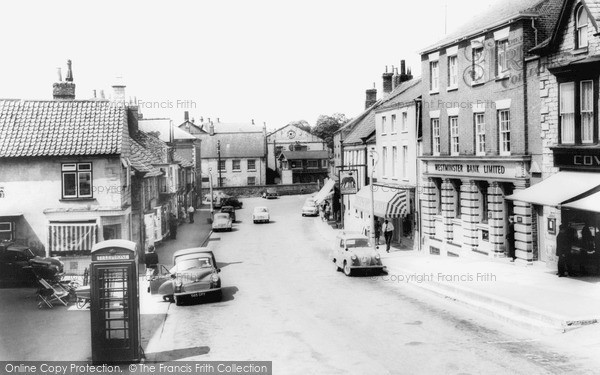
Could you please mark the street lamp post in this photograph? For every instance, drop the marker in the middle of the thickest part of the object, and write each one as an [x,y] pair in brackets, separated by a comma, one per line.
[373,164]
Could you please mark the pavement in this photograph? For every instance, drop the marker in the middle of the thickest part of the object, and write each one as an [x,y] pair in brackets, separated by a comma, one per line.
[528,296]
[29,333]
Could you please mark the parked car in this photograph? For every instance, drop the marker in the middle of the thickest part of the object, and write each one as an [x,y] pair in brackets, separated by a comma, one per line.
[352,251]
[217,199]
[310,208]
[222,221]
[17,263]
[234,202]
[229,210]
[194,275]
[270,194]
[260,215]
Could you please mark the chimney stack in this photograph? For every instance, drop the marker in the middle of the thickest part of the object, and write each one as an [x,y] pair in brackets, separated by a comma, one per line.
[402,67]
[371,97]
[404,74]
[387,81]
[64,90]
[186,116]
[211,128]
[252,121]
[119,90]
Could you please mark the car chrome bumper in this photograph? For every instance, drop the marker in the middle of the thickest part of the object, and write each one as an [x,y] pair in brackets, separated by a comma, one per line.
[199,293]
[367,267]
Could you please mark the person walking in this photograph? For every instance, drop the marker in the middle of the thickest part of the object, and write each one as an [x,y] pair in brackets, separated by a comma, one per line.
[510,239]
[388,232]
[377,231]
[191,211]
[563,249]
[151,260]
[327,210]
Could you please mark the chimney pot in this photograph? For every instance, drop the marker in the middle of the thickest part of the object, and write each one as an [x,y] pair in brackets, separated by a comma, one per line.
[186,115]
[69,77]
[59,74]
[252,121]
[218,120]
[64,90]
[94,94]
[402,67]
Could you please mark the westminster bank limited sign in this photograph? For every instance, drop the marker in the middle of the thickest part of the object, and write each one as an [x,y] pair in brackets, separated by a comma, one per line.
[480,169]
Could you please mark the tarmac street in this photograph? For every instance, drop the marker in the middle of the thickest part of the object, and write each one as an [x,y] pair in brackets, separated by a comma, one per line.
[283,301]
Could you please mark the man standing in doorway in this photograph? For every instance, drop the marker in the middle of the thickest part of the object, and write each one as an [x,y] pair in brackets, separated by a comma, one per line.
[388,232]
[563,249]
[191,211]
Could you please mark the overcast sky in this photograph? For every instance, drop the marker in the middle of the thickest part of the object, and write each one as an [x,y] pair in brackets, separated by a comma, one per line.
[272,61]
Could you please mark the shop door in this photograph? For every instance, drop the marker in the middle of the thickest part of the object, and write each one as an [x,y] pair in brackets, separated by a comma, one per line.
[542,254]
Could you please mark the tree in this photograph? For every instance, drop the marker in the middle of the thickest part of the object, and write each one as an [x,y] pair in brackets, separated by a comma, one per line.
[302,124]
[326,126]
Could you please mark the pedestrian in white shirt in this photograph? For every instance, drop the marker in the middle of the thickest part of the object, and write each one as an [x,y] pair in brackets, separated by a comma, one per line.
[191,211]
[388,232]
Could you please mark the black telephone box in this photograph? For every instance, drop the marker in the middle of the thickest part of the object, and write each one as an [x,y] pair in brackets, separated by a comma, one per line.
[114,304]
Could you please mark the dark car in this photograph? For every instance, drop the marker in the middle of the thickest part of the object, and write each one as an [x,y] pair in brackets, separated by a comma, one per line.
[270,194]
[17,264]
[234,202]
[229,210]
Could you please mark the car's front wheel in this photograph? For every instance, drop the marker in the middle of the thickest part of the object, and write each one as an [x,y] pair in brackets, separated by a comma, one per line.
[347,269]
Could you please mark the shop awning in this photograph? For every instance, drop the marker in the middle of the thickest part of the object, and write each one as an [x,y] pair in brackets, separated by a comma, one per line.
[324,192]
[558,188]
[388,202]
[589,203]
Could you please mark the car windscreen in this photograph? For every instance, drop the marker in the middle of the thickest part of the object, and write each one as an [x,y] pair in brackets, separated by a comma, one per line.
[357,242]
[310,202]
[221,216]
[189,264]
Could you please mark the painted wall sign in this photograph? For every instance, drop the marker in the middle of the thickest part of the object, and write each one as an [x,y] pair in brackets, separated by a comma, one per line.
[577,159]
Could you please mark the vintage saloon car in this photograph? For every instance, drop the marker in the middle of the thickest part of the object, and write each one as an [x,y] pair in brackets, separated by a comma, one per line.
[19,265]
[194,275]
[260,215]
[310,208]
[222,221]
[352,251]
[229,210]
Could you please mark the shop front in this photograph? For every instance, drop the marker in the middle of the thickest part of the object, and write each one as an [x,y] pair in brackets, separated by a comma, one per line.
[464,211]
[570,197]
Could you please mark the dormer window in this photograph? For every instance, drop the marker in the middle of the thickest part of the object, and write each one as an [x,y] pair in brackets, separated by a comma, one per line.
[581,27]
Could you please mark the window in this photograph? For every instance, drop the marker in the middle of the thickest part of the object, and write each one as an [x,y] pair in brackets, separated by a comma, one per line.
[404,121]
[393,121]
[383,121]
[251,164]
[236,165]
[577,117]
[454,146]
[504,126]
[384,161]
[222,165]
[477,71]
[456,184]
[312,164]
[501,58]
[435,133]
[251,180]
[296,164]
[404,161]
[581,20]
[77,180]
[6,231]
[324,163]
[394,158]
[434,76]
[452,71]
[479,134]
[482,187]
[587,111]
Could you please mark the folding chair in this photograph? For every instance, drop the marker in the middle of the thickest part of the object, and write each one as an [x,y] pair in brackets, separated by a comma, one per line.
[48,294]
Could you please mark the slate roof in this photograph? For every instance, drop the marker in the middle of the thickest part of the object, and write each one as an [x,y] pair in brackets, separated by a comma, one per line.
[240,145]
[502,11]
[60,128]
[182,160]
[297,155]
[157,148]
[162,126]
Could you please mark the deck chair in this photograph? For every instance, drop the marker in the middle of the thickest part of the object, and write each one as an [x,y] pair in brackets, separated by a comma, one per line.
[48,294]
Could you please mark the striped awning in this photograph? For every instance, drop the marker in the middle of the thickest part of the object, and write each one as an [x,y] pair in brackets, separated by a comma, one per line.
[65,237]
[388,202]
[325,191]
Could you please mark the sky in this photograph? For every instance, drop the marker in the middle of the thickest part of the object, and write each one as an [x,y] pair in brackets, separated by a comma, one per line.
[270,61]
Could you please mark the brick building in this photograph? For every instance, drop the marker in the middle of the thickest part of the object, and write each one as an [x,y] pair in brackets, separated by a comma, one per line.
[569,73]
[480,130]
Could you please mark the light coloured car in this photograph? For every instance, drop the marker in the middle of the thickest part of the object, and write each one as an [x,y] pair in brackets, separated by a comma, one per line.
[222,221]
[352,251]
[194,275]
[260,215]
[310,208]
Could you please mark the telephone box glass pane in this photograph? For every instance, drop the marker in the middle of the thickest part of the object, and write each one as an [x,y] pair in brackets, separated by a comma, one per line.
[113,305]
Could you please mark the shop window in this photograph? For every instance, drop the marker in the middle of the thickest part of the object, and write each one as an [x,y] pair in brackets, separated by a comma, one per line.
[76,180]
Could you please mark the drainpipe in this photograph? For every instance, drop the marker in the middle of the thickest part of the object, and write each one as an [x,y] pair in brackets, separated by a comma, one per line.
[418,170]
